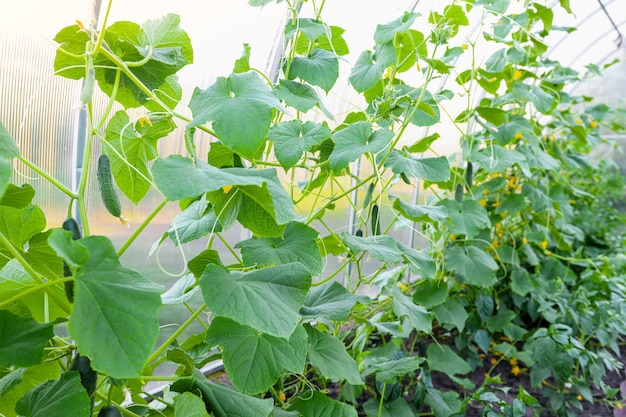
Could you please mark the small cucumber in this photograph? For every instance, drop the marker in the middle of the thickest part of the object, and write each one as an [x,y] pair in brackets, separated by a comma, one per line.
[469,175]
[368,195]
[88,377]
[375,218]
[70,225]
[109,411]
[87,92]
[107,187]
[458,193]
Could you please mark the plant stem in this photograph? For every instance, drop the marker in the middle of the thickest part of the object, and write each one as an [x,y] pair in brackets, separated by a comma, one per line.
[48,177]
[36,288]
[177,333]
[141,227]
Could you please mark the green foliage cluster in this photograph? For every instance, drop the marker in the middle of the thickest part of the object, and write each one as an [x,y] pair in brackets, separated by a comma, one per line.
[522,262]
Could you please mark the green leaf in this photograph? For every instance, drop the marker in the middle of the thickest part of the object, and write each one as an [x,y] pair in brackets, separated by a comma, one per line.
[11,380]
[385,32]
[402,306]
[181,291]
[22,340]
[242,64]
[420,213]
[355,140]
[443,404]
[32,376]
[310,28]
[328,355]
[334,43]
[496,159]
[430,169]
[521,283]
[496,6]
[197,220]
[223,401]
[300,96]
[370,67]
[468,217]
[419,260]
[409,46]
[442,358]
[317,404]
[8,147]
[6,170]
[396,408]
[189,405]
[382,247]
[179,178]
[320,68]
[330,301]
[267,300]
[476,266]
[430,292]
[17,197]
[390,372]
[293,138]
[451,312]
[72,252]
[240,109]
[130,147]
[64,397]
[298,244]
[254,360]
[423,144]
[19,225]
[498,322]
[115,318]
[512,125]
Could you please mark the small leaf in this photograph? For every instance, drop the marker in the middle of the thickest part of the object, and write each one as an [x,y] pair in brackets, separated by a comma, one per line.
[317,404]
[320,68]
[240,109]
[390,371]
[195,221]
[19,225]
[298,244]
[8,147]
[74,254]
[355,140]
[451,312]
[65,396]
[419,318]
[254,360]
[468,218]
[115,318]
[242,64]
[22,340]
[420,213]
[370,67]
[300,96]
[310,28]
[181,291]
[496,159]
[476,266]
[385,32]
[267,300]
[442,358]
[331,301]
[293,138]
[381,247]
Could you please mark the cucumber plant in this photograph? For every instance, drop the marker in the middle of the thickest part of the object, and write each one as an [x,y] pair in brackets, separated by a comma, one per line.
[513,266]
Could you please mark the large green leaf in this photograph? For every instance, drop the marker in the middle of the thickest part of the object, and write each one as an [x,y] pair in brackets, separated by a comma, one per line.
[223,401]
[11,380]
[267,300]
[17,197]
[369,67]
[420,213]
[197,220]
[331,301]
[317,404]
[451,312]
[63,397]
[301,97]
[177,177]
[403,306]
[496,159]
[19,225]
[467,218]
[8,147]
[254,360]
[328,355]
[115,318]
[14,385]
[130,147]
[22,340]
[189,405]
[320,68]
[298,244]
[430,169]
[396,408]
[385,32]
[310,28]
[355,140]
[293,138]
[240,109]
[392,370]
[443,358]
[476,266]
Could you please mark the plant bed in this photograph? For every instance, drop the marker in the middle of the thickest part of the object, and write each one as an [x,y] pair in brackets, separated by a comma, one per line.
[520,260]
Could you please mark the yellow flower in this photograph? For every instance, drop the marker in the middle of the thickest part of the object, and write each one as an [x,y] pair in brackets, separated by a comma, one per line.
[496,204]
[544,245]
[578,121]
[494,361]
[553,137]
[548,253]
[144,120]
[387,73]
[483,202]
[282,397]
[464,47]
[579,398]
[80,24]
[593,124]
[517,75]
[402,286]
[619,406]
[524,240]
[227,188]
[516,371]
[513,361]
[453,237]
